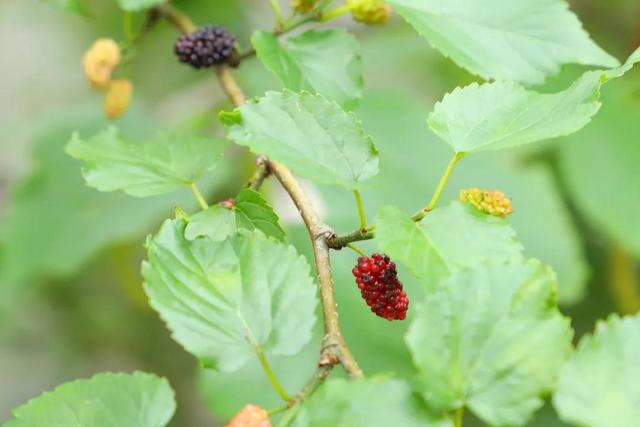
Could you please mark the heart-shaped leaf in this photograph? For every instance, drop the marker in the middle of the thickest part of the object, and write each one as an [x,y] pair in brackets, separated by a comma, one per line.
[310,134]
[597,386]
[504,114]
[250,211]
[524,40]
[145,168]
[371,402]
[491,338]
[132,400]
[225,300]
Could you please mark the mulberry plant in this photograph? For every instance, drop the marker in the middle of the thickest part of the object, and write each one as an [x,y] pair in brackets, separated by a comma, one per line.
[229,278]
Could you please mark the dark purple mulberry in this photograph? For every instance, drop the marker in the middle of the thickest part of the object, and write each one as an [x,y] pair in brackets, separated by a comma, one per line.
[208,46]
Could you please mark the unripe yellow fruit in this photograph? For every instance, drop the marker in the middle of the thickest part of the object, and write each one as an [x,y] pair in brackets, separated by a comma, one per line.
[370,11]
[100,60]
[492,202]
[117,97]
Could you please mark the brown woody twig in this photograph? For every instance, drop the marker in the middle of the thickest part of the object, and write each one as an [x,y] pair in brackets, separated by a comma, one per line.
[334,348]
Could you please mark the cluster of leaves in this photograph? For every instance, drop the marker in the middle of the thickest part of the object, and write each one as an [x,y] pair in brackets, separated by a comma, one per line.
[488,335]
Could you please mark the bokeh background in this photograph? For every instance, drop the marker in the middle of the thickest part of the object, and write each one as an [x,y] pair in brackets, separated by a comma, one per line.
[71,302]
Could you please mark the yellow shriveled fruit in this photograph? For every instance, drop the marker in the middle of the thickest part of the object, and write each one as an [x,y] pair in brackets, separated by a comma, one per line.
[100,60]
[117,97]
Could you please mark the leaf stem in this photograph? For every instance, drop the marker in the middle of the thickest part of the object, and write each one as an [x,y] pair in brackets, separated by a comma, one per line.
[296,24]
[196,192]
[279,32]
[361,214]
[279,410]
[318,377]
[623,281]
[355,249]
[288,26]
[273,379]
[440,188]
[337,12]
[289,417]
[316,380]
[135,38]
[127,27]
[458,417]
[175,17]
[339,242]
[366,233]
[341,10]
[277,11]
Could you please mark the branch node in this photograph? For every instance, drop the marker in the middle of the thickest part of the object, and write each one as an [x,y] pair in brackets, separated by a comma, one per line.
[322,232]
[328,357]
[261,173]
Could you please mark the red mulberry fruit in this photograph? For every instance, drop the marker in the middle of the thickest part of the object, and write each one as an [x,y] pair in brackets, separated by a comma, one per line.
[377,279]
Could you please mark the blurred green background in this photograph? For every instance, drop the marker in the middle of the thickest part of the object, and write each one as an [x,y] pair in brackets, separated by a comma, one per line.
[71,302]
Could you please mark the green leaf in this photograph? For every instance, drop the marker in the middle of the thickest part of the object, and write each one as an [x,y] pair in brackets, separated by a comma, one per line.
[491,338]
[598,386]
[224,300]
[56,224]
[371,402]
[135,5]
[132,400]
[253,211]
[217,223]
[525,40]
[146,168]
[500,115]
[445,240]
[323,61]
[308,133]
[609,201]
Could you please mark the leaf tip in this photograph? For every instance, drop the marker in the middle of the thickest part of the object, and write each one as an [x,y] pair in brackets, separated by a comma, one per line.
[230,118]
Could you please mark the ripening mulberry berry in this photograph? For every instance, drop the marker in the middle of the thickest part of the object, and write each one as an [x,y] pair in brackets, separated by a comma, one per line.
[378,282]
[250,416]
[208,46]
[228,203]
[492,202]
